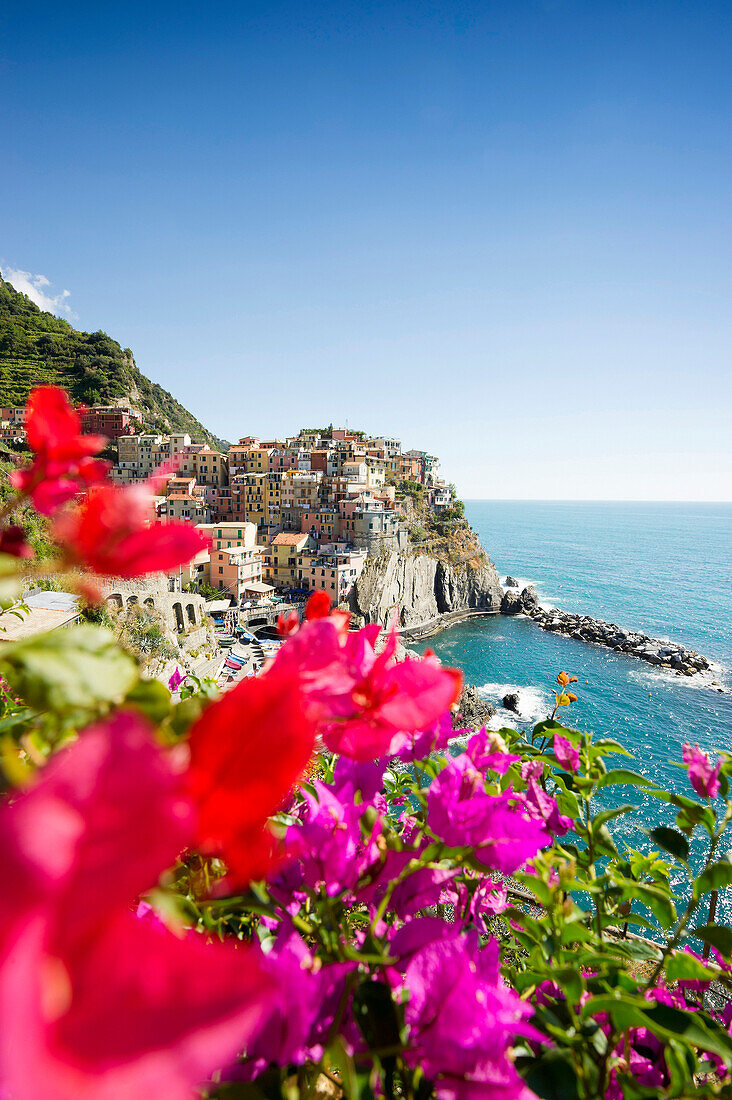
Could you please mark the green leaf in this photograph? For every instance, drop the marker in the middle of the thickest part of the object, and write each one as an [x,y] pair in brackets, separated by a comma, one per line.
[715,877]
[152,698]
[604,843]
[684,967]
[608,815]
[553,1077]
[672,841]
[716,935]
[607,744]
[651,896]
[664,1021]
[79,668]
[620,775]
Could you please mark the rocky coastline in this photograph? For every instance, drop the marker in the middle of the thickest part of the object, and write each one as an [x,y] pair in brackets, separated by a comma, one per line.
[664,654]
[424,593]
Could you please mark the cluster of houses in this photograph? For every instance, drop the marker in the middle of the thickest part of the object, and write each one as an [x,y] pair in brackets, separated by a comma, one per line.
[286,515]
[283,515]
[111,421]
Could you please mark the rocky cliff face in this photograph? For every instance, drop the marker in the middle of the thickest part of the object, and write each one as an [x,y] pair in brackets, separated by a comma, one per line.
[420,588]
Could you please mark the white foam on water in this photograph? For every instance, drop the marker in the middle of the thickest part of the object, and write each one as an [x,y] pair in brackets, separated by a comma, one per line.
[715,678]
[523,582]
[533,705]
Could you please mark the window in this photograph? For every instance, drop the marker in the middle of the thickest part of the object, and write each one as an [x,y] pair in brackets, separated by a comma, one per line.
[221,569]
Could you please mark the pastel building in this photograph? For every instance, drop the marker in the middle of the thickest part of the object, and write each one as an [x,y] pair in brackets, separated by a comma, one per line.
[237,562]
[110,420]
[281,557]
[334,568]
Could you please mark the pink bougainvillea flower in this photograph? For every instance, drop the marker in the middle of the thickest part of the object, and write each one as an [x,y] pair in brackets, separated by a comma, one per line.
[308,998]
[435,738]
[366,704]
[498,827]
[113,533]
[488,752]
[566,753]
[463,1019]
[287,623]
[539,803]
[62,465]
[176,680]
[13,542]
[318,605]
[248,749]
[704,776]
[96,1004]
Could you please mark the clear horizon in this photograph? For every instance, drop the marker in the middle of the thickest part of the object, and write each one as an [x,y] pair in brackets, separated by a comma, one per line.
[498,232]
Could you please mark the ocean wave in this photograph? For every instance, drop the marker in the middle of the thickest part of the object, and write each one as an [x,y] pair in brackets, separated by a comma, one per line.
[716,678]
[534,704]
[524,582]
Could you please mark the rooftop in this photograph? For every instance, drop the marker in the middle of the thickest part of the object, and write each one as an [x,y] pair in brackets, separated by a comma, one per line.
[286,538]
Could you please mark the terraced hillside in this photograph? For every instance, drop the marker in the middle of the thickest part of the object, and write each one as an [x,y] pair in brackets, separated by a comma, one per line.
[36,347]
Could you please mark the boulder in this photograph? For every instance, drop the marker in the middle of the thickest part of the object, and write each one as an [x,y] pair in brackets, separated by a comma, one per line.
[473,710]
[511,582]
[511,604]
[511,701]
[529,599]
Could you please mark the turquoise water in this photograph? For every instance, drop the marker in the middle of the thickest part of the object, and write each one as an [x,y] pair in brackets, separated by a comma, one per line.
[662,568]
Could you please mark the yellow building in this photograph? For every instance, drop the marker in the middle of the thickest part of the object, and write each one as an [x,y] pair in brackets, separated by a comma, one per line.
[210,467]
[281,559]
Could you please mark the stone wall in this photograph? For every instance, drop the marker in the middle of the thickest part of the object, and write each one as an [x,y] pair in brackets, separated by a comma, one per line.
[183,611]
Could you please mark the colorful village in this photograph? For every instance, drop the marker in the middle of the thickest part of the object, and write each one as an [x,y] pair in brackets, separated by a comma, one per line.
[284,517]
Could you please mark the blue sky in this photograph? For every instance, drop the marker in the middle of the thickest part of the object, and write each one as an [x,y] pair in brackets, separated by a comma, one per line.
[500,231]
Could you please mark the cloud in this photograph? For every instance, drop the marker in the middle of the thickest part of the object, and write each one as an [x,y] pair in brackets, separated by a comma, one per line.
[35,287]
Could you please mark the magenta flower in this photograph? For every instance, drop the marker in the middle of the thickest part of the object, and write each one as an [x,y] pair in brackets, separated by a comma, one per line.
[434,738]
[95,1002]
[366,705]
[567,754]
[289,1031]
[462,1020]
[176,680]
[488,752]
[538,803]
[328,844]
[703,777]
[497,827]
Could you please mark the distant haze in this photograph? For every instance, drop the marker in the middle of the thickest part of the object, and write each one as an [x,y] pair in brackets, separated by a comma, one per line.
[499,231]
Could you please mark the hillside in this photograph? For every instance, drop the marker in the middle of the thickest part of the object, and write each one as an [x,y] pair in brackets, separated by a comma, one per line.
[36,347]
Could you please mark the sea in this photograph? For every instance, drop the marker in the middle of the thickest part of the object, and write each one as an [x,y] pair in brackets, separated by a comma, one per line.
[663,568]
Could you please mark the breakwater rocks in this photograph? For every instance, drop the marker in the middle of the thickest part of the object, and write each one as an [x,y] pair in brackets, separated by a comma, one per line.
[424,592]
[670,655]
[473,710]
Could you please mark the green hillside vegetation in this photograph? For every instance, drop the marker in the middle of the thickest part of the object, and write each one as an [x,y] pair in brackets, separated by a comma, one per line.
[37,348]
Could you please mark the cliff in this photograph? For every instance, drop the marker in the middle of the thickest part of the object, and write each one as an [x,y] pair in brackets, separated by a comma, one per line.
[421,588]
[38,348]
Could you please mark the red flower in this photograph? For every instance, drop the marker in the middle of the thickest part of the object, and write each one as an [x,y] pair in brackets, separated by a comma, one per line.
[111,533]
[12,541]
[95,1002]
[287,623]
[62,465]
[366,705]
[248,749]
[318,605]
